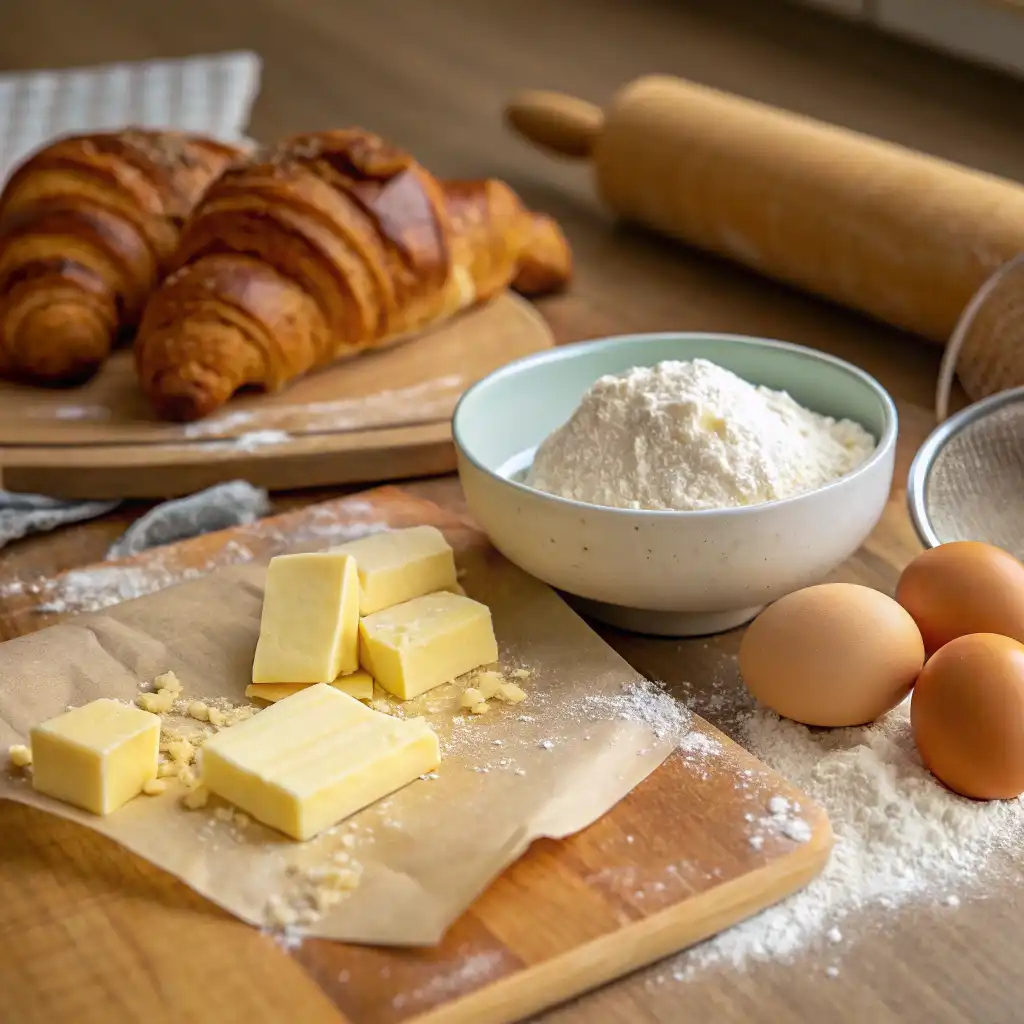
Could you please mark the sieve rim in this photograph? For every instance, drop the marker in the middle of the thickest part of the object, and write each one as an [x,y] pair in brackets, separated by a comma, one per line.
[924,460]
[951,355]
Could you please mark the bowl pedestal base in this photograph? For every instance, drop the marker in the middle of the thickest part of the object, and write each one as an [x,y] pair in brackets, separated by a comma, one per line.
[661,623]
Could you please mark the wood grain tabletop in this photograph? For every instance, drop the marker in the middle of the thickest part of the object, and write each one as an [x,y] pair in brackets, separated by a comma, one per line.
[433,77]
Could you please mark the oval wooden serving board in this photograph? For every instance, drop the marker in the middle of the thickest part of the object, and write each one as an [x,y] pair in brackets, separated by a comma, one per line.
[382,415]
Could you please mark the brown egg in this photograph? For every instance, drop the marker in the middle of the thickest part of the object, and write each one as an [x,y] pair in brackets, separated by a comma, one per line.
[967,714]
[963,587]
[836,654]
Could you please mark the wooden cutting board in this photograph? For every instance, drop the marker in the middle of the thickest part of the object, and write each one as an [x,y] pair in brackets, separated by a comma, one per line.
[383,415]
[89,933]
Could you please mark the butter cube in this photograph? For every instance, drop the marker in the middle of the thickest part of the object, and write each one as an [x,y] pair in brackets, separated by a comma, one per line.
[422,643]
[399,565]
[307,762]
[309,630]
[358,684]
[98,756]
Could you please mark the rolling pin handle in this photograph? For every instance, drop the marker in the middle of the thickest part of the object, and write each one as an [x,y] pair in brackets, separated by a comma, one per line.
[555,122]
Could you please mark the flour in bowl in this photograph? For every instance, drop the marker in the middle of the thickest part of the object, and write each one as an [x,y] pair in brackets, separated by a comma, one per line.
[692,435]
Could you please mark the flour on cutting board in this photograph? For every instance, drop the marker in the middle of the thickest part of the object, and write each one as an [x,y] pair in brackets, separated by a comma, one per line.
[253,440]
[71,413]
[91,590]
[425,400]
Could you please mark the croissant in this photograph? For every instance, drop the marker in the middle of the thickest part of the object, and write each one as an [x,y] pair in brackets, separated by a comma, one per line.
[88,225]
[330,245]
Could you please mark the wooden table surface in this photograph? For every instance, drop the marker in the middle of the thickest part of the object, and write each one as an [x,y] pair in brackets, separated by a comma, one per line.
[432,76]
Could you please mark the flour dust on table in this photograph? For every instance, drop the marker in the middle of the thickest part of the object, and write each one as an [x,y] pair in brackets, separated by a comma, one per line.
[692,435]
[901,838]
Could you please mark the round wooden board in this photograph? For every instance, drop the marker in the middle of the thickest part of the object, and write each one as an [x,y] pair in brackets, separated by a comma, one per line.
[382,416]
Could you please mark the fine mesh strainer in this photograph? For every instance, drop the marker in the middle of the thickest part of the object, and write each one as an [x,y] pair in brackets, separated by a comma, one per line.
[967,481]
[986,350]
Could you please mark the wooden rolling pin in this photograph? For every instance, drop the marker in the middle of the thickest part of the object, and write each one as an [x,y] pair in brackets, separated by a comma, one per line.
[905,237]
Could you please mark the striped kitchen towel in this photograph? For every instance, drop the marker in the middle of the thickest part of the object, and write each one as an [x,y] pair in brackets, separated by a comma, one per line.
[211,94]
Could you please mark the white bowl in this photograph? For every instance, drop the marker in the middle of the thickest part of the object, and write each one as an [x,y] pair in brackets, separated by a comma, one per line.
[668,573]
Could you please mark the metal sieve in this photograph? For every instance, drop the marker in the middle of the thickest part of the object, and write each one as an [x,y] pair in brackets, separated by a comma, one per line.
[985,349]
[967,480]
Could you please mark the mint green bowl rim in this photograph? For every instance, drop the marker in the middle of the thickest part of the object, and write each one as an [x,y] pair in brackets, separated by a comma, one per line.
[578,350]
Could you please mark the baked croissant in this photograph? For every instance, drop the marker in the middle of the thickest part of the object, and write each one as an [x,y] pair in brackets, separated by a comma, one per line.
[332,244]
[88,225]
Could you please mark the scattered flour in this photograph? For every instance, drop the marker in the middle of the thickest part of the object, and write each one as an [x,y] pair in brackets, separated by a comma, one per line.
[217,426]
[692,435]
[643,702]
[900,836]
[253,440]
[92,590]
[75,413]
[468,972]
[697,743]
[425,400]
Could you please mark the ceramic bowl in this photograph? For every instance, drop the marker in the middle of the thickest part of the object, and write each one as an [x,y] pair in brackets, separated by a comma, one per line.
[668,573]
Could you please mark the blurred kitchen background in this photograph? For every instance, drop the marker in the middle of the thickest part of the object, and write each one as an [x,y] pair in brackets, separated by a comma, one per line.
[946,76]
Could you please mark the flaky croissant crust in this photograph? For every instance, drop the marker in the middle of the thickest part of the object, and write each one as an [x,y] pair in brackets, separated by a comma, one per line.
[88,226]
[328,245]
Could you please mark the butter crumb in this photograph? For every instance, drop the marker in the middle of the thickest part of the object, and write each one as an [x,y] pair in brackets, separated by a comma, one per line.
[223,814]
[167,737]
[187,777]
[154,787]
[215,717]
[241,819]
[326,898]
[280,914]
[158,703]
[181,751]
[196,798]
[199,711]
[239,714]
[167,769]
[522,673]
[169,682]
[470,697]
[511,693]
[489,683]
[20,755]
[382,706]
[337,878]
[480,709]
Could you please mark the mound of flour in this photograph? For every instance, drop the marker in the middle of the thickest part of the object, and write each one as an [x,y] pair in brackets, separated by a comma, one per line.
[692,435]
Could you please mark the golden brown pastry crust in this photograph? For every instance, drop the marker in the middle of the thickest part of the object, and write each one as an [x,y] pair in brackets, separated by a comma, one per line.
[88,226]
[326,246]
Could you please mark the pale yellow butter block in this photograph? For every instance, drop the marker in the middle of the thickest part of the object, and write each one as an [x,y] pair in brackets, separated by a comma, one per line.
[422,643]
[98,756]
[307,762]
[309,630]
[359,685]
[399,565]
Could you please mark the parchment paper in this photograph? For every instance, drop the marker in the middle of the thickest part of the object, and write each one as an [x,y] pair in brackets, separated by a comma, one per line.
[546,767]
